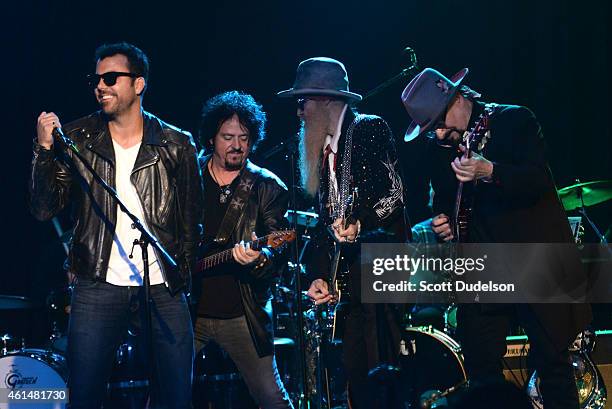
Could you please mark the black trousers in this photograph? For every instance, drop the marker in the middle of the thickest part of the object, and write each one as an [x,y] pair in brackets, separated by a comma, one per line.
[482,330]
[371,337]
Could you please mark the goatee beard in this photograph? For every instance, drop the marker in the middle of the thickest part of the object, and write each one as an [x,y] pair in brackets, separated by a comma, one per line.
[312,138]
[233,166]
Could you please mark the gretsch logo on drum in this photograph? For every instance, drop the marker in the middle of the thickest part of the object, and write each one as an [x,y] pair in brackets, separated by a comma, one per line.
[409,349]
[14,379]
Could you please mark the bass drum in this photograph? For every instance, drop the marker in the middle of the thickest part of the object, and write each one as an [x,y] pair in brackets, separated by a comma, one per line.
[33,369]
[430,360]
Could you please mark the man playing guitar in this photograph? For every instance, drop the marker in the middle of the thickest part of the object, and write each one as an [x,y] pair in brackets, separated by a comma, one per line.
[241,201]
[512,200]
[349,162]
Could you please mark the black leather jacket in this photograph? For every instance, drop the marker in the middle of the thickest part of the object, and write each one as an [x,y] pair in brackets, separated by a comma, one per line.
[263,213]
[166,177]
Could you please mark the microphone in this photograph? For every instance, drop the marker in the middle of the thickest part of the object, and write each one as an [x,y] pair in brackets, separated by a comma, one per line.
[58,135]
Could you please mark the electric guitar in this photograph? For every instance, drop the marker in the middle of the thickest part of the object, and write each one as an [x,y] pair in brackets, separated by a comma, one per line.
[273,240]
[338,275]
[475,139]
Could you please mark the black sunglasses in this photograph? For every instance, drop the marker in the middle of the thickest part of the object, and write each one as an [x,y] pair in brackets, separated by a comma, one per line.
[441,121]
[109,78]
[301,102]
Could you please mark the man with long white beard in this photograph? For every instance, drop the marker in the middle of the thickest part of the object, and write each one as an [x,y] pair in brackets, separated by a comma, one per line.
[345,154]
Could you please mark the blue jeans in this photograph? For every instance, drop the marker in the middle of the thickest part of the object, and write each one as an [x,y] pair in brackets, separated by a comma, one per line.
[260,374]
[99,318]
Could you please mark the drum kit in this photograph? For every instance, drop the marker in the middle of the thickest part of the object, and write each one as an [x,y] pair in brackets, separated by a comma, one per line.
[431,362]
[577,198]
[45,368]
[29,368]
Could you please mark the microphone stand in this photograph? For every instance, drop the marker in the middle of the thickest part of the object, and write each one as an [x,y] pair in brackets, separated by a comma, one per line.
[414,66]
[146,239]
[286,145]
[387,370]
[291,147]
[583,212]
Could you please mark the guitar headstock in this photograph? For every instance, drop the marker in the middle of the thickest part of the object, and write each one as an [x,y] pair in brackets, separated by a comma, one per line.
[278,238]
[477,138]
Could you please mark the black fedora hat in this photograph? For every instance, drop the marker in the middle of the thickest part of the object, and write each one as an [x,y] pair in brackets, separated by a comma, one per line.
[426,97]
[321,76]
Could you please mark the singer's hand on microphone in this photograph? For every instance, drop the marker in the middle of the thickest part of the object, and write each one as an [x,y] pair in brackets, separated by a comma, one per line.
[44,128]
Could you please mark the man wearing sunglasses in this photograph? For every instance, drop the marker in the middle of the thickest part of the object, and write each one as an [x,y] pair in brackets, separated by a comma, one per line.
[153,168]
[514,201]
[331,133]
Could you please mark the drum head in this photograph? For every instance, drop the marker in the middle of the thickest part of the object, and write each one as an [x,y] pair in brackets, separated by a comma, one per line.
[429,360]
[33,369]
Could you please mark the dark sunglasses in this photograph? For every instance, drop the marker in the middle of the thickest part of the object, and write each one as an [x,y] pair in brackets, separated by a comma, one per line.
[441,121]
[301,103]
[109,78]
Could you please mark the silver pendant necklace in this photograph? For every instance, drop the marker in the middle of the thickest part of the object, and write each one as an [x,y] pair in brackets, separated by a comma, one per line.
[224,194]
[224,190]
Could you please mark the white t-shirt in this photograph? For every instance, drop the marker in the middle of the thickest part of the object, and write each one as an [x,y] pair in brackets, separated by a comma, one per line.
[122,270]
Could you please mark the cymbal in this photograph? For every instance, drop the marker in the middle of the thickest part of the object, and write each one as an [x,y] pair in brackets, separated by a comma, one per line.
[306,219]
[15,302]
[593,193]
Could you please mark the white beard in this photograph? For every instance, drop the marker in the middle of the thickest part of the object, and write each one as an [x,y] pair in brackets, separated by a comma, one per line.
[312,137]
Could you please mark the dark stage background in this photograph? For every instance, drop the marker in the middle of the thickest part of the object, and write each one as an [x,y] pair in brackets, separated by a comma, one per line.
[552,56]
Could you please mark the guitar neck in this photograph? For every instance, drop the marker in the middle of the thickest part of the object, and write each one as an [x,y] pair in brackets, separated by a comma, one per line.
[458,199]
[474,141]
[226,255]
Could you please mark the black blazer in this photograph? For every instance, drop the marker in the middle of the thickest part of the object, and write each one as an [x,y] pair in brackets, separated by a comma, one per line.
[379,205]
[520,205]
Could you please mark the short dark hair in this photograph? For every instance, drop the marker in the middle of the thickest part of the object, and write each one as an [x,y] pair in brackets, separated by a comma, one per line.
[138,61]
[222,107]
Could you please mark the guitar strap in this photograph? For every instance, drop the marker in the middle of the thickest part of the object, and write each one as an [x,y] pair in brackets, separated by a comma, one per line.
[339,198]
[234,213]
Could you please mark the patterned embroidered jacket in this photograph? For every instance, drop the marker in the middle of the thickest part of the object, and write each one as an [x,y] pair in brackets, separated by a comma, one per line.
[379,205]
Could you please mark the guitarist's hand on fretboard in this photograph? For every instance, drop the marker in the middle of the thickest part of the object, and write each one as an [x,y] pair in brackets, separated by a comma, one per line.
[470,168]
[244,254]
[256,250]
